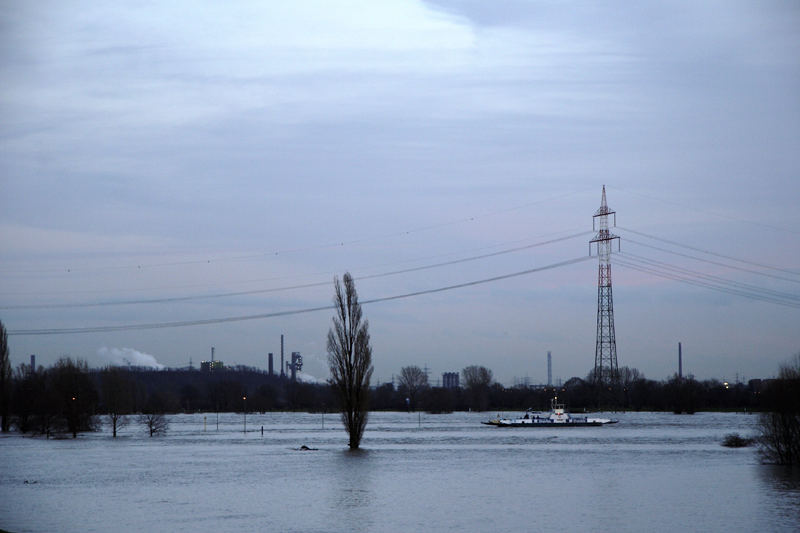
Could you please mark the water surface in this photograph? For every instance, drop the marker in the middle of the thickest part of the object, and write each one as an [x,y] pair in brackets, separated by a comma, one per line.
[651,472]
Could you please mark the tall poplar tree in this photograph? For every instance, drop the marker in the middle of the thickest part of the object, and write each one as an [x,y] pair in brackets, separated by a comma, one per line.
[350,358]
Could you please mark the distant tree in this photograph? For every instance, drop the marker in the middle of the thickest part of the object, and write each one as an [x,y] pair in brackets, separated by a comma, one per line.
[265,398]
[476,376]
[22,399]
[156,423]
[628,377]
[439,400]
[350,359]
[476,383]
[683,394]
[74,395]
[412,380]
[33,401]
[779,438]
[383,397]
[153,415]
[190,398]
[5,380]
[118,397]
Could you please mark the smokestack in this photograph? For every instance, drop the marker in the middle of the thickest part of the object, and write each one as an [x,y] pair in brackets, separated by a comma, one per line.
[283,374]
[680,362]
[296,364]
[549,369]
[33,363]
[212,354]
[270,363]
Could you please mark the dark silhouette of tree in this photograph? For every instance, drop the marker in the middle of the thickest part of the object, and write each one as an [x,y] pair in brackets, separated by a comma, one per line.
[350,359]
[5,380]
[476,382]
[264,398]
[683,393]
[779,440]
[118,395]
[190,398]
[412,380]
[156,423]
[153,417]
[383,398]
[439,400]
[33,401]
[74,395]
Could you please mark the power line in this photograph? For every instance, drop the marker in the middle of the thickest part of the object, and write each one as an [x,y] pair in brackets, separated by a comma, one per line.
[705,284]
[278,278]
[715,279]
[161,325]
[720,215]
[698,283]
[709,261]
[709,252]
[334,244]
[176,299]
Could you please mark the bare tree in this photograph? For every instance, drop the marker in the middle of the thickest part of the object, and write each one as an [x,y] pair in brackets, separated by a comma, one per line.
[413,379]
[5,379]
[476,381]
[476,376]
[156,423]
[350,358]
[780,426]
[117,396]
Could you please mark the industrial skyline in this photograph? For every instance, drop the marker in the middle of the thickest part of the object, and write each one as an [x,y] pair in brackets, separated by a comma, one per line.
[216,168]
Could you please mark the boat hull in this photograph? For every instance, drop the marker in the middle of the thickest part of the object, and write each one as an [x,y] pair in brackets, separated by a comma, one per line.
[544,423]
[550,424]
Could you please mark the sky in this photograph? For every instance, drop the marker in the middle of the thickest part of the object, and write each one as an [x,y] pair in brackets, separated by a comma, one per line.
[194,162]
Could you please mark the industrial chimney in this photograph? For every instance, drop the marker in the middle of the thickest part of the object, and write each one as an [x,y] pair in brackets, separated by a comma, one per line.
[283,374]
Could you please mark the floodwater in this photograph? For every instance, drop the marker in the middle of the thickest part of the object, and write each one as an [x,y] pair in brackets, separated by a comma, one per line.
[417,472]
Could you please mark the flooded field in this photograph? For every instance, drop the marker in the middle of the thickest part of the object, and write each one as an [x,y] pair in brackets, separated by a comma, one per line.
[417,472]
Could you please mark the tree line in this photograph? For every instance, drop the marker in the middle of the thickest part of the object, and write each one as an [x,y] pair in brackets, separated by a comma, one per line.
[68,396]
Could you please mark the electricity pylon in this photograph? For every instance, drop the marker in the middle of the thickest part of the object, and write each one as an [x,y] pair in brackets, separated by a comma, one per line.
[606,370]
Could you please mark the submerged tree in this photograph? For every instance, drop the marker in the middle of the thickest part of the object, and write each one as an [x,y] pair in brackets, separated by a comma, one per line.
[153,415]
[156,423]
[780,426]
[73,395]
[118,397]
[350,358]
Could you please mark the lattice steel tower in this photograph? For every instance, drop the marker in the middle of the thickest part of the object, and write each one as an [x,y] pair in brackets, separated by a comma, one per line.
[605,352]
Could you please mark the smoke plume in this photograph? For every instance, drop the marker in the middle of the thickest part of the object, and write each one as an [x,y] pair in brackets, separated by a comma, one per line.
[128,357]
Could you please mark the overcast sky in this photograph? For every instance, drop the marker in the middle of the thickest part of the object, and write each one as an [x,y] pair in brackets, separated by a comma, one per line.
[183,151]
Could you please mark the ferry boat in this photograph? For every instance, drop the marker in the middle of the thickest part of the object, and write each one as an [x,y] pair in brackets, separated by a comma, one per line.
[558,417]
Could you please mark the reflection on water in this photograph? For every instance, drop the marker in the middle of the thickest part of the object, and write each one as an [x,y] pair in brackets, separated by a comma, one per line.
[351,489]
[781,478]
[783,485]
[651,472]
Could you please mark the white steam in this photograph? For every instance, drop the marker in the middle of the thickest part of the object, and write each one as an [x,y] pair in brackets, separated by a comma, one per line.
[308,378]
[128,357]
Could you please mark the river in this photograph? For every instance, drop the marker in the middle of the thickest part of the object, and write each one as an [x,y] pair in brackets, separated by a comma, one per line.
[416,472]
